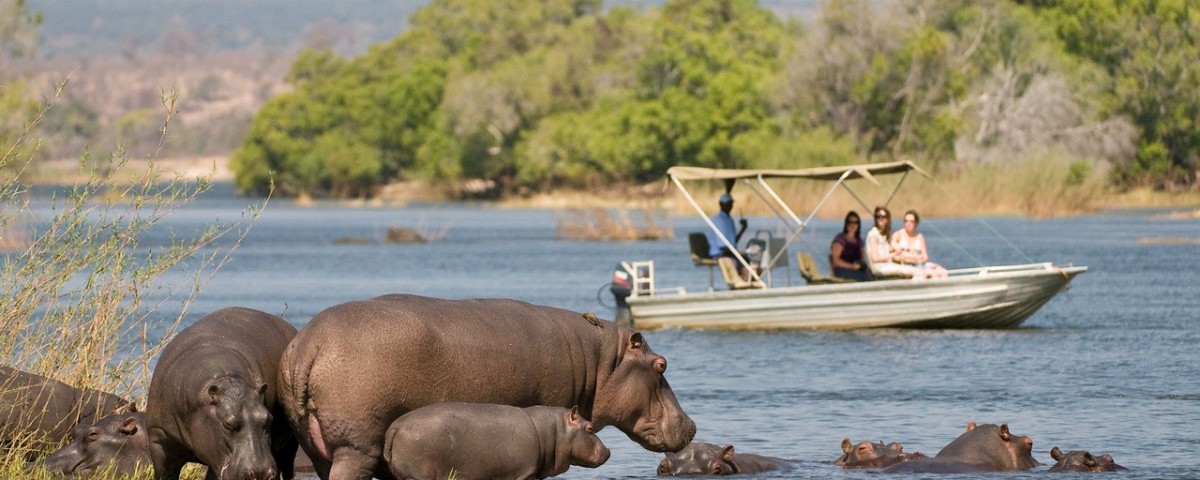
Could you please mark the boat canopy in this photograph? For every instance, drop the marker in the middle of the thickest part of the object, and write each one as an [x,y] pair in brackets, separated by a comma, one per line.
[845,172]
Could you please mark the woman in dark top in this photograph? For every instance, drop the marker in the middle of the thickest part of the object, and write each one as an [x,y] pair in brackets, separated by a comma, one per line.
[845,253]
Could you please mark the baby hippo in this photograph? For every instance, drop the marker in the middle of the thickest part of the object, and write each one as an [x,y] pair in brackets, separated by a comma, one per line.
[873,455]
[116,444]
[1082,461]
[473,441]
[710,459]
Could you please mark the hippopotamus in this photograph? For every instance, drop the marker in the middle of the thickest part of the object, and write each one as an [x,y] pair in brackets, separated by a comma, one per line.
[983,448]
[700,458]
[1082,461]
[213,399]
[873,455]
[458,440]
[117,444]
[357,366]
[44,410]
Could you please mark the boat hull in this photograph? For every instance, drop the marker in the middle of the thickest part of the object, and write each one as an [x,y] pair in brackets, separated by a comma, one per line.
[997,297]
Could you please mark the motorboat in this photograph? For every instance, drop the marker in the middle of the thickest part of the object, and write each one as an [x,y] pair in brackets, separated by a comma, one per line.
[989,296]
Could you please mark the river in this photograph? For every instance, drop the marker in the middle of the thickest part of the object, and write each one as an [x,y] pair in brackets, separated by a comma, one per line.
[1110,366]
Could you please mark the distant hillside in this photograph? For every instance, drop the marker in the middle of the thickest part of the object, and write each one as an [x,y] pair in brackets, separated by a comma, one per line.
[132,28]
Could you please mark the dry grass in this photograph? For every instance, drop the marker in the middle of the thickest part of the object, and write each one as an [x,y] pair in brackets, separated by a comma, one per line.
[598,224]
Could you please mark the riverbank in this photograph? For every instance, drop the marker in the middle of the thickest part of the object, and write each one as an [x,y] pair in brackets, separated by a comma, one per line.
[962,196]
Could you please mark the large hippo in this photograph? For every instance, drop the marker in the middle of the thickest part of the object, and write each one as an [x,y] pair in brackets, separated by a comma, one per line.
[458,440]
[983,448]
[1082,461]
[357,366]
[213,399]
[700,458]
[116,444]
[44,411]
[865,454]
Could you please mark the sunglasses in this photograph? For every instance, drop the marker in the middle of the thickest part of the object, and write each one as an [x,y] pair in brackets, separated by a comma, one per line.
[853,222]
[880,215]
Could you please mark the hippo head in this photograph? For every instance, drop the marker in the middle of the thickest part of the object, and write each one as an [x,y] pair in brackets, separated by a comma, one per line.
[1082,461]
[117,444]
[636,398]
[699,458]
[586,448]
[232,434]
[992,447]
[873,455]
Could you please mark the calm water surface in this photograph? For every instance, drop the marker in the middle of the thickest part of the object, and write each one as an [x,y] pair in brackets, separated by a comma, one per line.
[1111,366]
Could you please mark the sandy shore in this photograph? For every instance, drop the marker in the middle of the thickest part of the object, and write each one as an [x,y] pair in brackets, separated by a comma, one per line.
[216,168]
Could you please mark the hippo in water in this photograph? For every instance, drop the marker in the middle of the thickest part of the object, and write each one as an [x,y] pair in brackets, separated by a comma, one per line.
[33,407]
[116,444]
[983,448]
[711,459]
[458,440]
[873,455]
[213,400]
[1082,461]
[357,366]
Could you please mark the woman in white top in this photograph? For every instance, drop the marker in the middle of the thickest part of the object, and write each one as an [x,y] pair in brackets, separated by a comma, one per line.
[879,250]
[910,249]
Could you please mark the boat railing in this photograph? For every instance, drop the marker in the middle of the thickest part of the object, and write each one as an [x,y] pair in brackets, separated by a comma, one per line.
[1002,268]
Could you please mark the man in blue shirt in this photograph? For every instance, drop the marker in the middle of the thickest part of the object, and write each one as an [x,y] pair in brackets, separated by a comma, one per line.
[725,225]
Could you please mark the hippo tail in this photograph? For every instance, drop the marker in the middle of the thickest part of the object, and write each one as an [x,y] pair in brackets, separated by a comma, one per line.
[294,379]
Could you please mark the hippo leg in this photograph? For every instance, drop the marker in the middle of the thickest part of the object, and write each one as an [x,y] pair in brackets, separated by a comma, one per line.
[164,469]
[351,464]
[285,458]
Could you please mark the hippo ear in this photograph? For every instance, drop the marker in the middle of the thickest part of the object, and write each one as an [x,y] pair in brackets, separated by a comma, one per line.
[573,415]
[636,342]
[262,391]
[727,453]
[895,447]
[1056,454]
[1088,459]
[846,444]
[214,393]
[130,427]
[1004,435]
[970,426]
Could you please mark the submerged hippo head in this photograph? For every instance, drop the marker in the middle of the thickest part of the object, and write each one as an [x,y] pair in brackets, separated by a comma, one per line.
[117,444]
[586,449]
[636,398]
[873,455]
[1082,461]
[991,447]
[698,459]
[231,433]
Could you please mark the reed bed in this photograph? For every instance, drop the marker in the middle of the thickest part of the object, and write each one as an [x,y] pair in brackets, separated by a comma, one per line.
[599,224]
[86,300]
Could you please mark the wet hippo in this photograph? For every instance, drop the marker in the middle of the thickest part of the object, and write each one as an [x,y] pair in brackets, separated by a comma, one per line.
[711,459]
[358,366]
[1082,461]
[873,455]
[458,440]
[44,410]
[983,448]
[117,444]
[212,399]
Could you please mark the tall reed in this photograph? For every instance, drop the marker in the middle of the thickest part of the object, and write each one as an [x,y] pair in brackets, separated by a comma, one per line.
[89,301]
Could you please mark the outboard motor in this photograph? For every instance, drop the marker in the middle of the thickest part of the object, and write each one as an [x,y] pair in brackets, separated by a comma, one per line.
[621,286]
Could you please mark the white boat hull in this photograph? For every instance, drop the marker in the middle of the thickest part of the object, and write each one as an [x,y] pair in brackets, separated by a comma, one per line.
[997,297]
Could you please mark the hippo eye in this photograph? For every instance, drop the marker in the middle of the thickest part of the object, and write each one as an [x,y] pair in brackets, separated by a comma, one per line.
[587,427]
[230,423]
[93,435]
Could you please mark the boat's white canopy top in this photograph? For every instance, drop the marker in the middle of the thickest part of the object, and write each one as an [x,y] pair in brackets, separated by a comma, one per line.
[840,173]
[756,179]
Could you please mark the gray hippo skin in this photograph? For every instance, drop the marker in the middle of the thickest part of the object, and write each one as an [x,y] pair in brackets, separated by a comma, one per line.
[1082,461]
[358,366]
[442,440]
[213,400]
[700,458]
[873,455]
[46,410]
[986,448]
[117,444]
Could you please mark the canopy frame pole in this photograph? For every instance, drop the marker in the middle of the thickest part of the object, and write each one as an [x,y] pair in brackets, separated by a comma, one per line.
[712,226]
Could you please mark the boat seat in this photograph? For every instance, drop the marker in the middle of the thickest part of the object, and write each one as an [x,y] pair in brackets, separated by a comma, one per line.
[729,271]
[811,274]
[698,243]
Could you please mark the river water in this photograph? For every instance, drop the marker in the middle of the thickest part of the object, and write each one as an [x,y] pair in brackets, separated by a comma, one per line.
[1110,366]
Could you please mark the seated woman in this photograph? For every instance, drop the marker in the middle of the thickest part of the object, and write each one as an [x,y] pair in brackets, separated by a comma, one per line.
[845,253]
[910,247]
[879,249]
